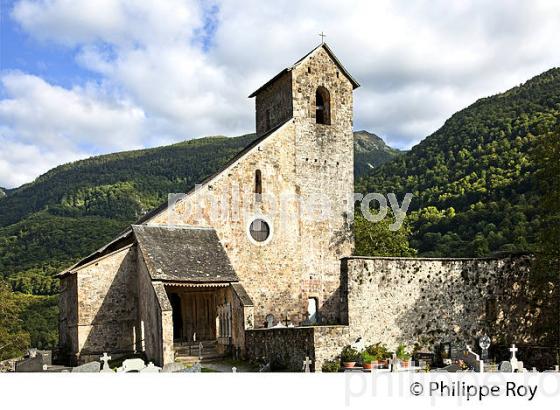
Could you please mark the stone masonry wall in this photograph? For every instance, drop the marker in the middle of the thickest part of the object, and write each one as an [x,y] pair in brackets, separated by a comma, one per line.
[324,169]
[304,160]
[286,348]
[151,340]
[68,315]
[432,301]
[271,271]
[106,308]
[274,104]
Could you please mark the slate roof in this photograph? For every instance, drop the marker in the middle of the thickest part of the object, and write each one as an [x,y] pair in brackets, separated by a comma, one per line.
[355,84]
[184,254]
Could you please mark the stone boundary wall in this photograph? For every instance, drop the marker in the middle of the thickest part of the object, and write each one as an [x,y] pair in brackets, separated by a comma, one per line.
[286,348]
[433,301]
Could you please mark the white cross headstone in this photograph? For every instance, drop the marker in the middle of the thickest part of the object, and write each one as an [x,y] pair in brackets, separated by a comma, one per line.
[393,363]
[514,362]
[105,359]
[307,364]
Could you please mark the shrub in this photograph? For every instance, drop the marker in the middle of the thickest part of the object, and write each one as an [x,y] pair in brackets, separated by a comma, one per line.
[379,350]
[368,358]
[401,352]
[349,354]
[330,366]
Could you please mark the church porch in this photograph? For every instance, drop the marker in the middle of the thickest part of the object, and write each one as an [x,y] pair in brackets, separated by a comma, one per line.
[202,314]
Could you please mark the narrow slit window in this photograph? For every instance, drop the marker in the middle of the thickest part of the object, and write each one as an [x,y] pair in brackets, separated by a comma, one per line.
[258,182]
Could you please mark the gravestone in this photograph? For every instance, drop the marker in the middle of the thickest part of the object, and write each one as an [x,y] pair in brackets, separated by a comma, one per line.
[234,369]
[91,367]
[173,367]
[452,368]
[151,368]
[514,362]
[30,365]
[132,366]
[200,349]
[484,344]
[473,360]
[425,356]
[105,359]
[269,320]
[307,364]
[505,367]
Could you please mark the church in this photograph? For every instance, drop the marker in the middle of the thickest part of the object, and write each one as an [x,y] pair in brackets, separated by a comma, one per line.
[248,263]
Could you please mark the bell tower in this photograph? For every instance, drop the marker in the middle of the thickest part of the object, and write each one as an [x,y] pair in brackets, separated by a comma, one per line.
[316,94]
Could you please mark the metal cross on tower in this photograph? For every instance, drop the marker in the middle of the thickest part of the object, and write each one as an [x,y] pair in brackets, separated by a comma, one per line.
[322,35]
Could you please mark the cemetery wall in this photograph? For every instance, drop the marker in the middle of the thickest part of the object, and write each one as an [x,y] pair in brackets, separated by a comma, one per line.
[106,305]
[284,348]
[287,348]
[433,301]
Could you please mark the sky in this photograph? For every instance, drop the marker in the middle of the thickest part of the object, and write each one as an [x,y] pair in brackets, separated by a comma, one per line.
[81,78]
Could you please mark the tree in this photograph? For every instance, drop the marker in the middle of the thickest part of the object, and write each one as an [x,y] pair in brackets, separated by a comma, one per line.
[376,239]
[13,339]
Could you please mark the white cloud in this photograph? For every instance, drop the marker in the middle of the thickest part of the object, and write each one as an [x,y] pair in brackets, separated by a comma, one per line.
[166,75]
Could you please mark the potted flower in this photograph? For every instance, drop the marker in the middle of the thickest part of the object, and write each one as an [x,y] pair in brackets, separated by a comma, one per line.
[403,355]
[380,351]
[367,360]
[349,356]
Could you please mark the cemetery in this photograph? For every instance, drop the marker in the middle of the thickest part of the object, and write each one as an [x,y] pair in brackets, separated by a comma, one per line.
[356,357]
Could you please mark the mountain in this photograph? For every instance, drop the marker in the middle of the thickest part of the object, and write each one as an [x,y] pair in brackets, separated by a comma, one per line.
[473,180]
[73,209]
[370,151]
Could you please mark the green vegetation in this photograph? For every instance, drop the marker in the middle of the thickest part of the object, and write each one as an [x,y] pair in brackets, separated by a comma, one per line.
[70,211]
[376,239]
[474,180]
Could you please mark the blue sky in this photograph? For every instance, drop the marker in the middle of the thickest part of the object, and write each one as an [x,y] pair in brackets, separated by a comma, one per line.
[81,77]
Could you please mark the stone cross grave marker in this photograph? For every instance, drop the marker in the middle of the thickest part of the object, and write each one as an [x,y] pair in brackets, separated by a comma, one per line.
[200,348]
[105,359]
[307,365]
[393,363]
[514,362]
[484,344]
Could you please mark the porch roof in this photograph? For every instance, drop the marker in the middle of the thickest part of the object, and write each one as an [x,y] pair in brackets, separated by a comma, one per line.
[183,254]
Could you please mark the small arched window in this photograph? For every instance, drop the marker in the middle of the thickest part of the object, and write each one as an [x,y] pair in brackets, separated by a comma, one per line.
[322,106]
[258,182]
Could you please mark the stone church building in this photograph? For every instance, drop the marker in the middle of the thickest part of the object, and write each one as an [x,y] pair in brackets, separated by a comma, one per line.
[183,275]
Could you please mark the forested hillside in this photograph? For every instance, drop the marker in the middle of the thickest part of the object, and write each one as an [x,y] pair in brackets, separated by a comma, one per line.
[473,180]
[73,209]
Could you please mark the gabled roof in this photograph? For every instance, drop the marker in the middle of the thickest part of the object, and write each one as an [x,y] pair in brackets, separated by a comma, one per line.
[183,254]
[355,84]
